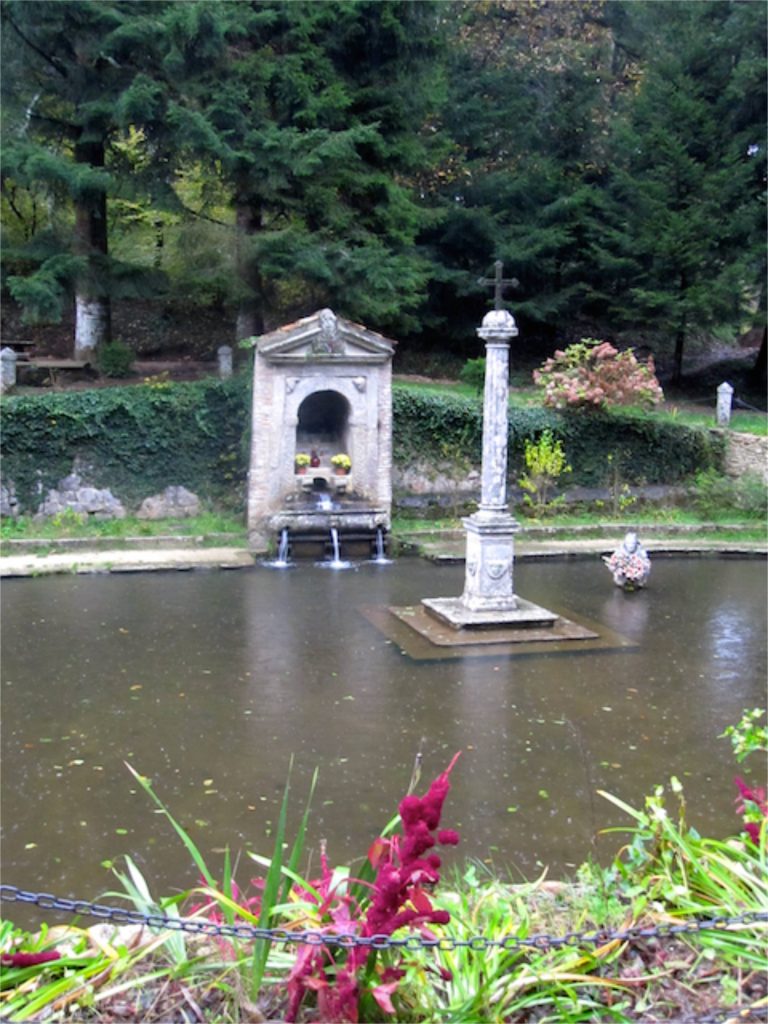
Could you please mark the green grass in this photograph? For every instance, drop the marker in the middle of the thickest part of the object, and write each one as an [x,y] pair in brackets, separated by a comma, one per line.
[598,519]
[72,525]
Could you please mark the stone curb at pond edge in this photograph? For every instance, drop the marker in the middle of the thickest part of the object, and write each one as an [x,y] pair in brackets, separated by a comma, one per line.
[447,552]
[184,553]
[138,560]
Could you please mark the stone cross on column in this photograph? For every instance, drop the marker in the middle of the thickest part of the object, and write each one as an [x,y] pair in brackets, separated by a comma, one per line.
[498,281]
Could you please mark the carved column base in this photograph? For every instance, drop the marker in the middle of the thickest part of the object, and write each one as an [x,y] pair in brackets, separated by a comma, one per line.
[488,576]
[489,598]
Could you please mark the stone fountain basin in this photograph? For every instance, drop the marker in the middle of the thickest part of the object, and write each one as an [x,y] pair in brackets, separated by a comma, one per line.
[344,518]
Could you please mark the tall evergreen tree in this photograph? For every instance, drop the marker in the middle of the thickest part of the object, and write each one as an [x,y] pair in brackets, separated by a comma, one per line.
[527,110]
[311,114]
[66,67]
[690,160]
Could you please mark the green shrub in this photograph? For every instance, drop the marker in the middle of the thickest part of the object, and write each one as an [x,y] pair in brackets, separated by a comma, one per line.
[115,359]
[545,463]
[135,440]
[715,495]
[473,373]
[649,450]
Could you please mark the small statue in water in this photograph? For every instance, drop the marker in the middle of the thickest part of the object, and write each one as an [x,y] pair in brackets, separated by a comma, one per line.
[629,563]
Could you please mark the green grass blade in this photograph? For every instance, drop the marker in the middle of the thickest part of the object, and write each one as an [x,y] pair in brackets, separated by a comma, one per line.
[298,847]
[194,853]
[269,896]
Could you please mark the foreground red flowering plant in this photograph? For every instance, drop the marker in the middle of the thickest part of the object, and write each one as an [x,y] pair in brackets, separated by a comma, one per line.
[406,868]
[753,807]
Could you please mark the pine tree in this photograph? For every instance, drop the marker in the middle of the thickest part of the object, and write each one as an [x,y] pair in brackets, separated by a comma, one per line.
[66,67]
[526,112]
[691,166]
[311,115]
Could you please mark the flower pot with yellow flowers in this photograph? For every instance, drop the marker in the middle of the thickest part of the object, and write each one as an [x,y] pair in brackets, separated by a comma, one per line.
[341,464]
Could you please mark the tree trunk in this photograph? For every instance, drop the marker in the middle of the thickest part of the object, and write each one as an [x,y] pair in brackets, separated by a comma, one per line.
[677,364]
[248,222]
[677,367]
[92,305]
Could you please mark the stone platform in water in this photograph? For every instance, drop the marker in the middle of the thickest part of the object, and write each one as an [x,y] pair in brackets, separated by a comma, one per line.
[520,614]
[423,637]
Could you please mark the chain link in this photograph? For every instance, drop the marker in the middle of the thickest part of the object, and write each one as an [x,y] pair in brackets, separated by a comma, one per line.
[477,943]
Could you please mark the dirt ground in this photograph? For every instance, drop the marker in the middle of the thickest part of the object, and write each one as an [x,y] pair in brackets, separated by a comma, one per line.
[181,343]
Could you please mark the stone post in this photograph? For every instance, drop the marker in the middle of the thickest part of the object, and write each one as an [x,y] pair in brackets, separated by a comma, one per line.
[225,362]
[7,369]
[489,596]
[488,581]
[724,399]
[497,329]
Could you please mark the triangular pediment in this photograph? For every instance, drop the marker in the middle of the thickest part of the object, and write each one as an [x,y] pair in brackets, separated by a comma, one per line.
[324,337]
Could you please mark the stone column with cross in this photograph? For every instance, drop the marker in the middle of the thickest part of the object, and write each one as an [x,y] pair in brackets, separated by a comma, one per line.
[489,597]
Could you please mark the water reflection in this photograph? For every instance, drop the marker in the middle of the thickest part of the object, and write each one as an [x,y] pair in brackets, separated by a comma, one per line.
[208,682]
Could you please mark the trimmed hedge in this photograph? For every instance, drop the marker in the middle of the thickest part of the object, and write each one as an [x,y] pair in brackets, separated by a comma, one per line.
[134,440]
[137,440]
[647,450]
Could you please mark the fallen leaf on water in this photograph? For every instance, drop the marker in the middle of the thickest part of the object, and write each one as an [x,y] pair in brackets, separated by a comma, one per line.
[30,846]
[137,686]
[207,782]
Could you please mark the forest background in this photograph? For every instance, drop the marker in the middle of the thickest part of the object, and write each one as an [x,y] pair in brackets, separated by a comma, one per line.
[234,165]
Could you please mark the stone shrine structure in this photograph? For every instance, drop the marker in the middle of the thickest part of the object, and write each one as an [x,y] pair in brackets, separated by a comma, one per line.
[322,387]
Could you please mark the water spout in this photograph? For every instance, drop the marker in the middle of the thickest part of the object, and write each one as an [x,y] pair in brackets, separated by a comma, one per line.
[335,562]
[281,562]
[381,558]
[282,551]
[324,502]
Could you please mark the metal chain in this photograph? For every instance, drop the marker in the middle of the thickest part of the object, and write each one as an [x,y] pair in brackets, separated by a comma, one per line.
[479,943]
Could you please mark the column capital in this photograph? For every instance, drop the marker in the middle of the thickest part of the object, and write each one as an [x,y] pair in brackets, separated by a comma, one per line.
[498,326]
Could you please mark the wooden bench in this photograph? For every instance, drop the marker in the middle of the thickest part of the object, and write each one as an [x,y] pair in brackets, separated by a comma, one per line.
[54,366]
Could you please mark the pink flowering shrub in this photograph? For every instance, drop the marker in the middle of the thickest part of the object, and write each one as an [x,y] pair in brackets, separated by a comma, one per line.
[406,868]
[593,374]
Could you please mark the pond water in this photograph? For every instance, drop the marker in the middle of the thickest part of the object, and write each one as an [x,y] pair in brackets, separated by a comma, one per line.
[208,682]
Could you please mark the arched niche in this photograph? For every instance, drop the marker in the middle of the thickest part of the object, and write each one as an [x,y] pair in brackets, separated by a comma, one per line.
[323,424]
